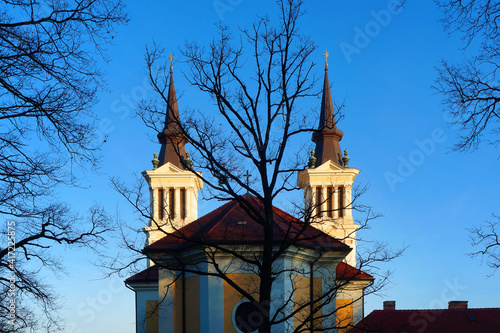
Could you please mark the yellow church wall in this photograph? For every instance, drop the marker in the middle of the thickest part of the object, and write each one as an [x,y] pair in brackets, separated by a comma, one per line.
[192,306]
[301,296]
[152,316]
[344,314]
[231,297]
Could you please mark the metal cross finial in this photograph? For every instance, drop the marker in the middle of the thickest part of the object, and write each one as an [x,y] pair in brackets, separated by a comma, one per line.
[326,58]
[171,57]
[248,178]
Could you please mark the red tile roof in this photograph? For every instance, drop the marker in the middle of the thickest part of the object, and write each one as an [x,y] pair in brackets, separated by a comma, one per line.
[431,321]
[232,224]
[346,271]
[149,275]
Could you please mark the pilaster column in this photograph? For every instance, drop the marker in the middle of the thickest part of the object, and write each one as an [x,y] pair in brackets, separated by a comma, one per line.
[308,199]
[212,304]
[167,205]
[348,199]
[151,203]
[314,201]
[177,200]
[194,204]
[188,192]
[154,205]
[335,202]
[166,298]
[324,199]
[326,271]
[282,287]
[164,205]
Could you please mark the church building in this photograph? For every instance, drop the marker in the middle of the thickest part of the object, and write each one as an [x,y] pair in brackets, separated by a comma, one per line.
[320,288]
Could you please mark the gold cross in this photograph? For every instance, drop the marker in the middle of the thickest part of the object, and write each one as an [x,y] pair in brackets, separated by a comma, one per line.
[248,177]
[326,58]
[171,57]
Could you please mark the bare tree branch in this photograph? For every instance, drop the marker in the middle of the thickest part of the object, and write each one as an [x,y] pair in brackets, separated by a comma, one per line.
[48,84]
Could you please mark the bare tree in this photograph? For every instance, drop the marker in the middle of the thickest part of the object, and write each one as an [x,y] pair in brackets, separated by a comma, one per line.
[471,90]
[49,54]
[258,87]
[486,238]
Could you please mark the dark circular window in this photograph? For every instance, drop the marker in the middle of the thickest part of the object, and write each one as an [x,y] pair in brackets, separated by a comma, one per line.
[246,317]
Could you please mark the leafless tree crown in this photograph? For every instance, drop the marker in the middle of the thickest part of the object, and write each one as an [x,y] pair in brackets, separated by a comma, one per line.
[259,86]
[471,89]
[49,55]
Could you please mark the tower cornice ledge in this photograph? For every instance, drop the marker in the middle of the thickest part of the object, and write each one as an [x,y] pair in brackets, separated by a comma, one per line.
[327,173]
[168,172]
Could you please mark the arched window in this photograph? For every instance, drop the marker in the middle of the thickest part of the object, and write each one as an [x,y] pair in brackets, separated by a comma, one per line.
[319,202]
[341,201]
[183,203]
[171,203]
[161,203]
[329,201]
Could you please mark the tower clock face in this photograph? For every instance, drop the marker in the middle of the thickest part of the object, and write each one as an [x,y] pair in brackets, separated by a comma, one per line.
[246,317]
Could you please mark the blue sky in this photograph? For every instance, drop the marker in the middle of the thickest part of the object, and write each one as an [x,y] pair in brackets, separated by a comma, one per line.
[394,128]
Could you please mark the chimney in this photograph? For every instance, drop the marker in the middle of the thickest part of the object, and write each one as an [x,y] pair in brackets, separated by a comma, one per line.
[453,305]
[389,305]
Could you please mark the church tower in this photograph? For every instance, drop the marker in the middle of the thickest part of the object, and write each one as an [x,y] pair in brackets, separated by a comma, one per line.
[173,186]
[327,183]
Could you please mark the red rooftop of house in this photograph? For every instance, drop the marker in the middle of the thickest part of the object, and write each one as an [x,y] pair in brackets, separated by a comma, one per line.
[458,318]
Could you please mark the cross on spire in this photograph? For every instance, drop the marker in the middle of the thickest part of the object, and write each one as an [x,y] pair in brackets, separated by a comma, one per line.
[326,54]
[171,57]
[248,178]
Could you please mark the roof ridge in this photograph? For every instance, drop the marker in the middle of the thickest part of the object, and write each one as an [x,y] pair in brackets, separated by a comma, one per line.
[216,219]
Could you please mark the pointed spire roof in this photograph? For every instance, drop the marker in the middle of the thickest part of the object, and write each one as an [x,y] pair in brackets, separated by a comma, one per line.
[171,138]
[328,136]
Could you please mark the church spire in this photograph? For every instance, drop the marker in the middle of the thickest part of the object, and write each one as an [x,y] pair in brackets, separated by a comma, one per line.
[171,138]
[328,181]
[327,136]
